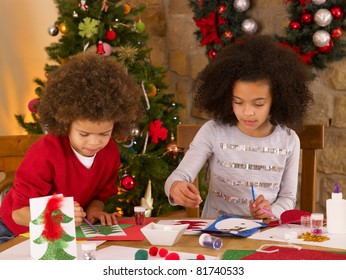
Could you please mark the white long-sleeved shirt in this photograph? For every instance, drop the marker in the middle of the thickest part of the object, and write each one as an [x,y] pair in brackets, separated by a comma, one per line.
[238,161]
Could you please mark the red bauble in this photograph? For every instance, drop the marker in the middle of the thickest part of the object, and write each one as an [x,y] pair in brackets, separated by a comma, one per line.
[111,35]
[337,12]
[336,33]
[32,105]
[327,48]
[127,182]
[212,53]
[307,18]
[295,25]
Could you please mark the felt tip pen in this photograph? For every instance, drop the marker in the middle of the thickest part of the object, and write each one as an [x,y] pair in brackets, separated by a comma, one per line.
[253,193]
[91,225]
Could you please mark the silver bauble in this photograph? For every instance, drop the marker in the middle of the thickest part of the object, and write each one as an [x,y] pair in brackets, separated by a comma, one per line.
[319,2]
[241,5]
[249,26]
[321,38]
[53,30]
[323,17]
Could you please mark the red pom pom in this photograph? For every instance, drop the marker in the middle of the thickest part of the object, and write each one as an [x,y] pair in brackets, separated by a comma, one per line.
[153,251]
[200,257]
[172,256]
[163,252]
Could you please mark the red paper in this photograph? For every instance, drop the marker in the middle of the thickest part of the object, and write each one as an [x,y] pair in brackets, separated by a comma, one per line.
[294,254]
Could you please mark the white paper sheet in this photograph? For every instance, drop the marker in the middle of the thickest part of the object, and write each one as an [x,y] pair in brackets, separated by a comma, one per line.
[21,251]
[278,234]
[128,253]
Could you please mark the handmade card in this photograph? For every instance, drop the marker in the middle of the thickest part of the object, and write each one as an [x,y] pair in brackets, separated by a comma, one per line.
[234,226]
[52,228]
[195,226]
[125,230]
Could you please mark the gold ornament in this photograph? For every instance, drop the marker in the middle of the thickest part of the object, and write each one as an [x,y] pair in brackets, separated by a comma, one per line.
[152,90]
[127,9]
[63,28]
[128,54]
[172,148]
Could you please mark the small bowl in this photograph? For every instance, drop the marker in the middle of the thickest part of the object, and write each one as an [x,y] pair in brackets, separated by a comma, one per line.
[166,235]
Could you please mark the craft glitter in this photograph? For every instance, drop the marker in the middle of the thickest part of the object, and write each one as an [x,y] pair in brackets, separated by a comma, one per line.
[139,213]
[207,240]
[316,223]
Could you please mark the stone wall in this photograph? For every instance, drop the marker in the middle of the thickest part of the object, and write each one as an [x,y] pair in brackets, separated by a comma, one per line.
[170,26]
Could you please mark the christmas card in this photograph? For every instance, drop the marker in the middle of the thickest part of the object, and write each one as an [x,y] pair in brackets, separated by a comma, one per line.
[52,228]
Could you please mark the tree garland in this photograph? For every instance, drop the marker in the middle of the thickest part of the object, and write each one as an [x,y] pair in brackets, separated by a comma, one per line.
[314,31]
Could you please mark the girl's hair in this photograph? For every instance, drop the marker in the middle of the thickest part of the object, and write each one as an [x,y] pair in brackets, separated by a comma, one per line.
[257,57]
[90,87]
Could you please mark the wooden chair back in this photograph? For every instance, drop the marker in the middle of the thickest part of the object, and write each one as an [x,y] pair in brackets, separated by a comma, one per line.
[311,139]
[12,151]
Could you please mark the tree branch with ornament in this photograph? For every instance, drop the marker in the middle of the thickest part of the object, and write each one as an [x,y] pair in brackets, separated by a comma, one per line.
[314,32]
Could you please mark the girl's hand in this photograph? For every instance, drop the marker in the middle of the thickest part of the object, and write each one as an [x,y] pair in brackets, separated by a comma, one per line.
[105,218]
[185,194]
[256,208]
[79,214]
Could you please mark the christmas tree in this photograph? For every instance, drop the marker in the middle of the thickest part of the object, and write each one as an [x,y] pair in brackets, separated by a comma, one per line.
[114,29]
[53,234]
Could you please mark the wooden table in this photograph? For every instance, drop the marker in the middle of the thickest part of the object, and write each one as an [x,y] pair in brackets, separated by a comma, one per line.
[190,244]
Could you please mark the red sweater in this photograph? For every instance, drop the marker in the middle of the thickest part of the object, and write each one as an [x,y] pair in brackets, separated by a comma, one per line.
[50,166]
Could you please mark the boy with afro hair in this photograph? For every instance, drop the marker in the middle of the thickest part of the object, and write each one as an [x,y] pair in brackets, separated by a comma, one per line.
[86,102]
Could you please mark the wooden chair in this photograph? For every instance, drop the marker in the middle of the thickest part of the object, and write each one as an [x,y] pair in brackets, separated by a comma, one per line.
[12,152]
[311,139]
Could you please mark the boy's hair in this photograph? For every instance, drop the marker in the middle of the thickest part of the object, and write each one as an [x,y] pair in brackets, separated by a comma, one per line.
[257,57]
[90,87]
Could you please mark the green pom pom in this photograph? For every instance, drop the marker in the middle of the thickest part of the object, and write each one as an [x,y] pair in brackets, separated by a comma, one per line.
[141,255]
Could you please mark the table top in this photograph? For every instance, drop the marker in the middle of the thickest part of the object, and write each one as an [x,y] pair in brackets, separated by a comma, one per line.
[190,244]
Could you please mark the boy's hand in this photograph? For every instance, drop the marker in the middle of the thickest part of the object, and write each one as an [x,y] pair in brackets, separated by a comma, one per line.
[79,214]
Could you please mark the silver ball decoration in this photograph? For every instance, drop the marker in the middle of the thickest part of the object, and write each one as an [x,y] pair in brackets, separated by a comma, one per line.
[321,38]
[319,2]
[241,5]
[249,26]
[323,17]
[53,30]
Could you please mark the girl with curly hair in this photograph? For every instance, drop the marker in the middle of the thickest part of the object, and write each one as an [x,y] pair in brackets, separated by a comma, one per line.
[255,91]
[86,102]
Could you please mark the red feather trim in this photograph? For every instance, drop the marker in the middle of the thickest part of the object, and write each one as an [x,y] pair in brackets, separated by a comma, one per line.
[52,225]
